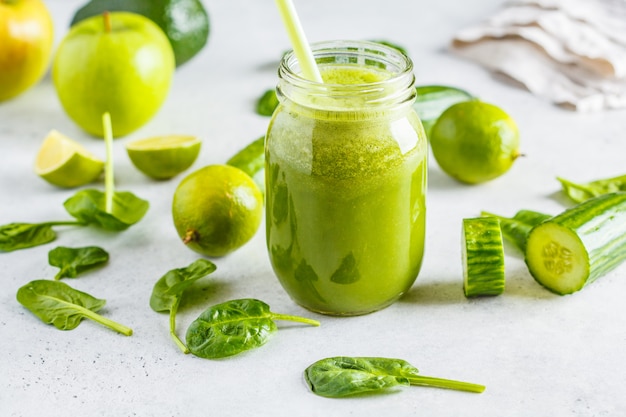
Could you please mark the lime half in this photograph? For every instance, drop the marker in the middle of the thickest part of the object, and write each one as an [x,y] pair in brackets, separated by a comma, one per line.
[65,163]
[164,157]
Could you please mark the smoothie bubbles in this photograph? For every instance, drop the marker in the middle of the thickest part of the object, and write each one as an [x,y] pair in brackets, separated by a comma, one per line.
[346,178]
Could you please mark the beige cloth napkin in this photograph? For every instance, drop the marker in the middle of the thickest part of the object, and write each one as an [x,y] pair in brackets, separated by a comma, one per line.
[572,52]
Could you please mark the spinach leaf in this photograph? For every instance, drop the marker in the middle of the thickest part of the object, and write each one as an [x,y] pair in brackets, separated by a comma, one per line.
[267,103]
[584,191]
[169,289]
[516,228]
[89,206]
[73,261]
[233,327]
[342,376]
[57,303]
[110,210]
[14,236]
[251,160]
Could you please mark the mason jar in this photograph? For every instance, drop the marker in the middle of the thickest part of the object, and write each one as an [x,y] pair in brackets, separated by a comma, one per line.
[346,164]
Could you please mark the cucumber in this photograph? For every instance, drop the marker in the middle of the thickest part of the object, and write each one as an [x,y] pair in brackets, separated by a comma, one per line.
[515,229]
[432,100]
[483,257]
[571,250]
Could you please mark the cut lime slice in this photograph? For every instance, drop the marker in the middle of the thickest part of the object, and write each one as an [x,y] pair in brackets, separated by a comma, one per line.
[65,163]
[164,157]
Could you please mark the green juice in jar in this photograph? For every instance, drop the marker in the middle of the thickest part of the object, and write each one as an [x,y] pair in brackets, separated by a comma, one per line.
[346,185]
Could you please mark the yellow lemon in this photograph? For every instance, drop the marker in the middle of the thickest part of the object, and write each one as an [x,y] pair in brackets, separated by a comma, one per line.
[65,163]
[217,209]
[163,157]
[474,141]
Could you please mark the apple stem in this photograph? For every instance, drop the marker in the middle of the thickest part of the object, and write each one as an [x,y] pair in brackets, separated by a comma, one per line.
[107,21]
[108,172]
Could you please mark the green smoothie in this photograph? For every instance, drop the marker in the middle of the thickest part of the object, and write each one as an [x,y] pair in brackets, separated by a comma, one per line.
[345,201]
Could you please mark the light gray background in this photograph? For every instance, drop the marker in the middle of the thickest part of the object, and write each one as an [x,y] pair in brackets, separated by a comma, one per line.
[537,353]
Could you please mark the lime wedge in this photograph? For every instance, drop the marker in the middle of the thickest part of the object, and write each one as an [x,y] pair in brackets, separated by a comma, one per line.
[164,157]
[65,163]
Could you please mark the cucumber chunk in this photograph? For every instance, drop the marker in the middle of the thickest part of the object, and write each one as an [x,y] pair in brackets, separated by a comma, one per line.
[515,229]
[483,257]
[569,251]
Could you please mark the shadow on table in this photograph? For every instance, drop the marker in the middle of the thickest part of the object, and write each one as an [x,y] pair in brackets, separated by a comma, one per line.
[205,293]
[518,284]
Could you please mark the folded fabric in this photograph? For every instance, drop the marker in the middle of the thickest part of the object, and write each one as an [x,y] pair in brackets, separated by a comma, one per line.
[572,52]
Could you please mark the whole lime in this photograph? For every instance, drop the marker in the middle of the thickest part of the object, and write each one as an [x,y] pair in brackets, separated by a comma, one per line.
[474,141]
[120,63]
[217,209]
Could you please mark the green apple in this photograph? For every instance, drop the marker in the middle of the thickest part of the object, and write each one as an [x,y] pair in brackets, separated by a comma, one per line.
[117,62]
[185,22]
[26,36]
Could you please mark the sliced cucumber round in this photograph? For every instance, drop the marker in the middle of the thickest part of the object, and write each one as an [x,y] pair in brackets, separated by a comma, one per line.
[576,247]
[483,257]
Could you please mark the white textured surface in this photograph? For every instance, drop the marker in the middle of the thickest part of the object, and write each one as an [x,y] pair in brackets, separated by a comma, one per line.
[537,353]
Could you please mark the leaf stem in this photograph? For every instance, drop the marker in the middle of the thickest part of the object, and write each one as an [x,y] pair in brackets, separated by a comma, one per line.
[120,328]
[63,223]
[428,381]
[177,340]
[59,275]
[108,172]
[276,316]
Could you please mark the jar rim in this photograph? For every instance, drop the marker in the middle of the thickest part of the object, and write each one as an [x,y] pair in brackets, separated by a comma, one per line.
[395,89]
[368,50]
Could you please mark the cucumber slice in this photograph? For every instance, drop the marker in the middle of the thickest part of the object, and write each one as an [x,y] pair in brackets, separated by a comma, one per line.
[483,257]
[571,250]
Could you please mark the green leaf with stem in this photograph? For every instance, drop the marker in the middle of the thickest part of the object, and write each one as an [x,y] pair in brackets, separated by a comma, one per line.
[57,303]
[579,192]
[233,327]
[73,261]
[343,376]
[169,289]
[89,206]
[110,210]
[14,236]
[515,229]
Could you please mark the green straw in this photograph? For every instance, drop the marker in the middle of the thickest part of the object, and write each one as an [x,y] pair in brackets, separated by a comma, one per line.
[108,171]
[298,40]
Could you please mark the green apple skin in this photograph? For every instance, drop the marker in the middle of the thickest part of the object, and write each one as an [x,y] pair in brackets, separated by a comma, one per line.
[121,63]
